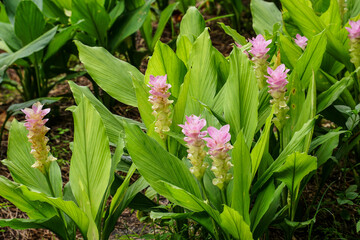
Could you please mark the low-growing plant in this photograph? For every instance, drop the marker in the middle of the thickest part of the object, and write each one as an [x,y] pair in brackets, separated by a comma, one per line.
[251,165]
[39,53]
[38,190]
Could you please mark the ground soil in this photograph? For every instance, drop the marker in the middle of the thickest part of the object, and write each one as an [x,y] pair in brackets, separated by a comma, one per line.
[330,223]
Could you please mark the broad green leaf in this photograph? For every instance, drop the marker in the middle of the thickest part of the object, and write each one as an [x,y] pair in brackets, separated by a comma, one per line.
[192,24]
[28,14]
[265,15]
[68,207]
[353,7]
[164,19]
[95,18]
[110,73]
[264,108]
[7,34]
[144,106]
[112,125]
[265,208]
[325,151]
[259,149]
[325,99]
[128,24]
[183,49]
[223,67]
[241,97]
[241,160]
[156,164]
[186,5]
[310,24]
[63,4]
[290,53]
[54,224]
[51,10]
[3,15]
[91,159]
[233,33]
[233,223]
[10,6]
[296,144]
[164,61]
[310,61]
[20,160]
[59,41]
[116,11]
[34,209]
[36,45]
[202,74]
[295,168]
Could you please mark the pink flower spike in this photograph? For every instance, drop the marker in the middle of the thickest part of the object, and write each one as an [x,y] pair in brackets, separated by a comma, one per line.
[219,140]
[354,31]
[192,128]
[301,41]
[277,79]
[259,45]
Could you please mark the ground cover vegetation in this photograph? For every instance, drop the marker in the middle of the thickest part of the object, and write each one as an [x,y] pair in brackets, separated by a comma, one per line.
[239,144]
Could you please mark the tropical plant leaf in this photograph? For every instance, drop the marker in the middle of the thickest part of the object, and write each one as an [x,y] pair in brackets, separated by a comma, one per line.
[265,15]
[233,223]
[7,34]
[111,74]
[91,159]
[241,101]
[192,24]
[156,164]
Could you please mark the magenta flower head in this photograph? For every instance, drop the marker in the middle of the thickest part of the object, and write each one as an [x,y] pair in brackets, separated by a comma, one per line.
[277,79]
[195,143]
[219,145]
[35,124]
[159,99]
[354,29]
[259,46]
[301,41]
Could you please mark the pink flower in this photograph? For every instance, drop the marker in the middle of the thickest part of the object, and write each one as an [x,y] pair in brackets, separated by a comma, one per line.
[159,99]
[219,146]
[354,31]
[37,130]
[192,128]
[195,143]
[218,143]
[301,41]
[277,79]
[259,45]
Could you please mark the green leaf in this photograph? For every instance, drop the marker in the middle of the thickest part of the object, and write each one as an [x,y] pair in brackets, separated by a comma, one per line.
[290,53]
[91,159]
[20,160]
[186,5]
[164,61]
[296,144]
[116,11]
[310,61]
[310,24]
[110,73]
[234,34]
[28,14]
[54,224]
[36,45]
[265,15]
[192,24]
[259,149]
[68,207]
[242,178]
[59,41]
[325,99]
[144,106]
[295,168]
[10,6]
[3,15]
[128,24]
[202,74]
[156,164]
[164,18]
[34,209]
[7,34]
[183,49]
[241,101]
[233,223]
[95,18]
[112,124]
